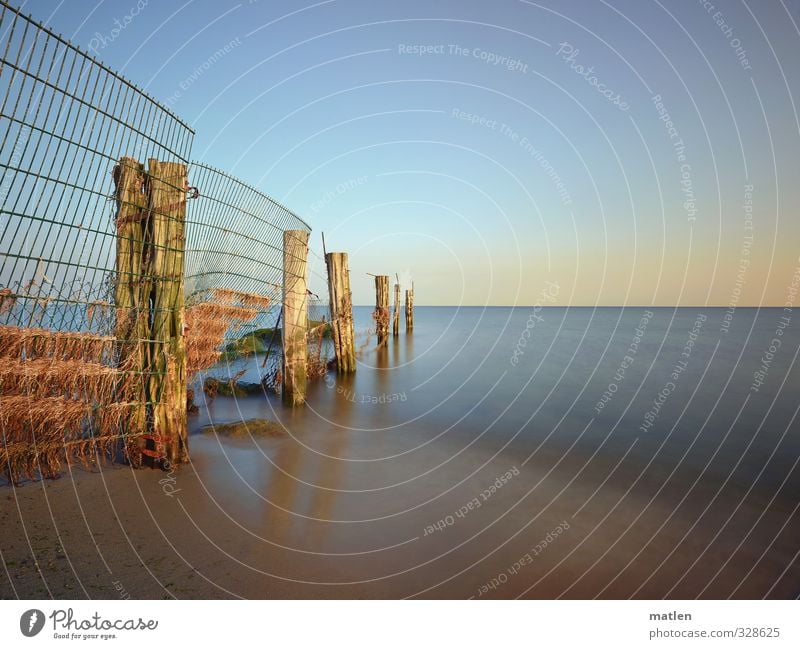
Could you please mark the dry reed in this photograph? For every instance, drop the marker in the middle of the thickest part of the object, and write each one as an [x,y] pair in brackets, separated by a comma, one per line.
[207,323]
[58,393]
[316,366]
[18,342]
[251,300]
[7,300]
[40,434]
[44,377]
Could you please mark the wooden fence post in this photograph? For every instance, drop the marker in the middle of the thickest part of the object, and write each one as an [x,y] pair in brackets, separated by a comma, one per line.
[410,309]
[168,381]
[382,308]
[131,299]
[396,315]
[295,316]
[341,311]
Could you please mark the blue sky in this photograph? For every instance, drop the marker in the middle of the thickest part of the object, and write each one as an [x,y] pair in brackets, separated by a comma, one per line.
[468,144]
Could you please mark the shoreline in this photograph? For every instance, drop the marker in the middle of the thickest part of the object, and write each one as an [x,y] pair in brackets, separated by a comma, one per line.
[227,527]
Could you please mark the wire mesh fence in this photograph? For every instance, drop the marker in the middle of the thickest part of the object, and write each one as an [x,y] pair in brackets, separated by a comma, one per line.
[124,272]
[234,276]
[234,270]
[65,122]
[70,130]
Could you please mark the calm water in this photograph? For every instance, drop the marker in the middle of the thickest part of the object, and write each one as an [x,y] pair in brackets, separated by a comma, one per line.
[479,457]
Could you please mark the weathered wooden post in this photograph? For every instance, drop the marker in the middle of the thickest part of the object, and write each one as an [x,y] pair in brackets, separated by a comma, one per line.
[131,298]
[295,316]
[410,308]
[382,308]
[341,311]
[396,315]
[168,382]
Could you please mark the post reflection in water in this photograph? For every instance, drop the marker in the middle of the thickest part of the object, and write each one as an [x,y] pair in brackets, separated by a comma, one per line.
[331,459]
[282,489]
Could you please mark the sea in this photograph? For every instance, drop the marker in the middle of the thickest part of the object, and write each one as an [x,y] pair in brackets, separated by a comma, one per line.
[498,452]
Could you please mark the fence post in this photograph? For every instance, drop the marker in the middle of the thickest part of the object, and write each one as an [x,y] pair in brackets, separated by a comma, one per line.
[396,316]
[341,311]
[410,309]
[131,299]
[382,308]
[168,387]
[295,316]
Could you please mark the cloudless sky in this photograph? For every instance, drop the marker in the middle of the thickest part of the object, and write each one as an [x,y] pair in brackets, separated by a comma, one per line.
[492,167]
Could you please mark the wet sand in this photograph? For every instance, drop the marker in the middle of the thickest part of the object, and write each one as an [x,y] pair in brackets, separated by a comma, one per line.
[244,520]
[384,489]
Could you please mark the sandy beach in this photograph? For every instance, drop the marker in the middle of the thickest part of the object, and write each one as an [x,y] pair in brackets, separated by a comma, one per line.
[245,519]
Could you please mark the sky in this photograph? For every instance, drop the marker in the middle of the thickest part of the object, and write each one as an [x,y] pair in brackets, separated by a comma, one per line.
[629,152]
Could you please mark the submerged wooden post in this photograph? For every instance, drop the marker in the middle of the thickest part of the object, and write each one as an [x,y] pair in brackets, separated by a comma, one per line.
[168,381]
[410,308]
[396,315]
[341,311]
[295,316]
[382,308]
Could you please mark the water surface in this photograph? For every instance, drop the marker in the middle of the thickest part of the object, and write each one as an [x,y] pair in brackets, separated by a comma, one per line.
[478,456]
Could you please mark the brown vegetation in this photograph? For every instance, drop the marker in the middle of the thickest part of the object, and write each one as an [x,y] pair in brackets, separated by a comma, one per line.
[60,401]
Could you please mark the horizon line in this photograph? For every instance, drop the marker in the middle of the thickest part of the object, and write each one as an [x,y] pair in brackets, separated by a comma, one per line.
[591,306]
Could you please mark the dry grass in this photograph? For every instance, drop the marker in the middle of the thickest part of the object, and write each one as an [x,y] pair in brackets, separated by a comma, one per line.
[41,434]
[99,306]
[44,377]
[208,322]
[7,300]
[250,300]
[316,366]
[75,397]
[381,316]
[57,401]
[18,342]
